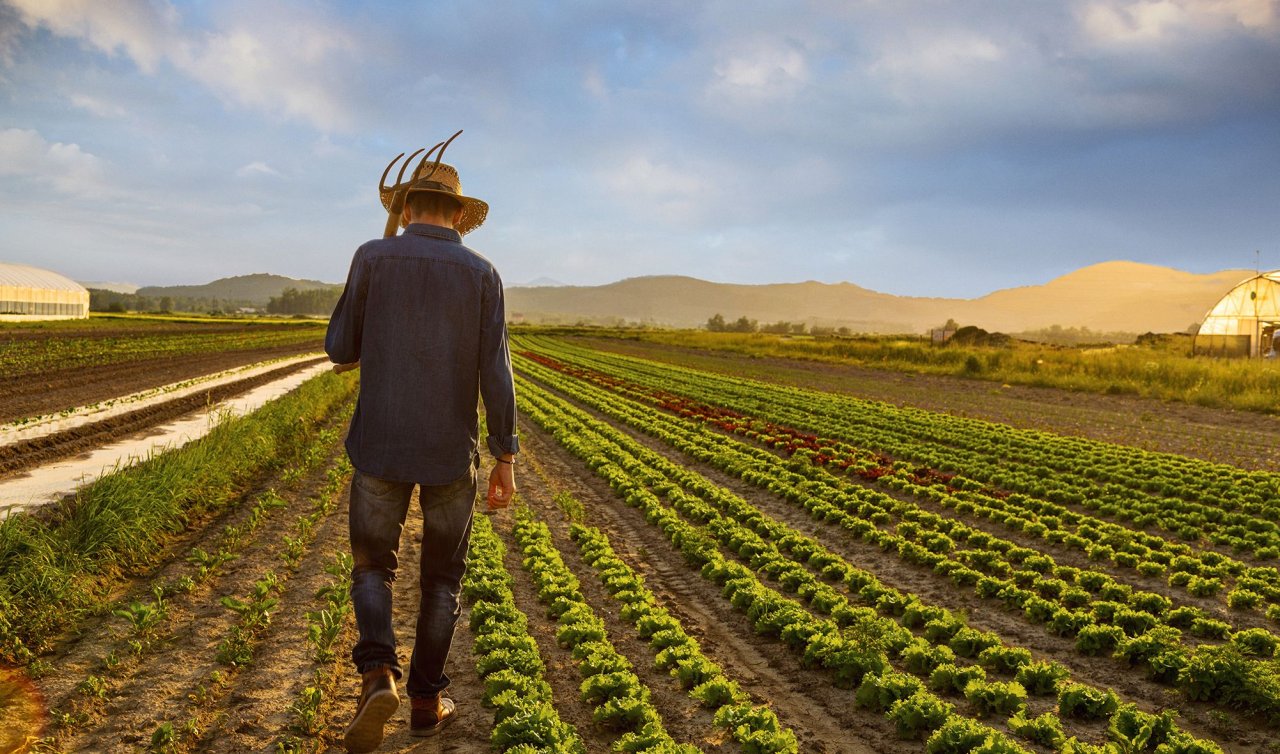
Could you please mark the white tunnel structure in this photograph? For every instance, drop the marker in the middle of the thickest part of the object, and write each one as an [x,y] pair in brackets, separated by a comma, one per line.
[30,293]
[1245,322]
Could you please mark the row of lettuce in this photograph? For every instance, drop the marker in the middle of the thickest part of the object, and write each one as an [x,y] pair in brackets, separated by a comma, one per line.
[1201,573]
[905,657]
[1185,497]
[1138,628]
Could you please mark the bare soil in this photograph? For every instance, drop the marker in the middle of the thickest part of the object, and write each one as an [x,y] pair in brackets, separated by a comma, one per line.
[19,456]
[47,392]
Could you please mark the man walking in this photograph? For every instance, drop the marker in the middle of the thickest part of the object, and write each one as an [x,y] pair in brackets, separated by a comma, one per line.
[423,317]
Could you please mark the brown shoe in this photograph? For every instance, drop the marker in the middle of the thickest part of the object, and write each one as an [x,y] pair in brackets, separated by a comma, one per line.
[430,715]
[378,702]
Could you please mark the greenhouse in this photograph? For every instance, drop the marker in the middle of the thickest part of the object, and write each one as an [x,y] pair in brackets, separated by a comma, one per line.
[1245,321]
[28,293]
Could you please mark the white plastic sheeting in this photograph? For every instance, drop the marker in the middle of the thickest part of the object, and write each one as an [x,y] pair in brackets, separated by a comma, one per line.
[28,293]
[1251,311]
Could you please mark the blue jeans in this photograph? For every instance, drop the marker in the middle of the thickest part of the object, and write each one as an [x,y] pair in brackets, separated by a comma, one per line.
[378,509]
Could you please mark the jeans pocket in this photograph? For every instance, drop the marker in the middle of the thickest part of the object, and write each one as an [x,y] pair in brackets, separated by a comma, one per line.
[376,486]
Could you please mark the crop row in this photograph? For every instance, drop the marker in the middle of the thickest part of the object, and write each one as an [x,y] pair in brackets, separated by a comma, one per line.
[995,557]
[856,644]
[1187,497]
[509,664]
[39,355]
[1137,631]
[56,571]
[146,619]
[620,701]
[1202,573]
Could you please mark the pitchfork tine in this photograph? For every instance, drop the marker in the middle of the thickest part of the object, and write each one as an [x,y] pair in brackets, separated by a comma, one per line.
[382,182]
[417,172]
[400,175]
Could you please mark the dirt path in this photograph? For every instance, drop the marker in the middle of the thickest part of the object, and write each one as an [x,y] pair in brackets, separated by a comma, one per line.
[1240,438]
[469,734]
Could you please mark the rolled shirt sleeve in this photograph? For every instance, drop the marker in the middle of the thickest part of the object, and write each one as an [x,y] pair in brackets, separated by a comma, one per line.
[497,387]
[342,340]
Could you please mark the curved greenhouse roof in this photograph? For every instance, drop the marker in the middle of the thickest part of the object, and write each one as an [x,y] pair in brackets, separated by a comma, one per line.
[1245,321]
[28,292]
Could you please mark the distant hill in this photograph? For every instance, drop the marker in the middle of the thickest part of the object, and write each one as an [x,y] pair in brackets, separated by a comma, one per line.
[113,287]
[540,282]
[249,290]
[1110,297]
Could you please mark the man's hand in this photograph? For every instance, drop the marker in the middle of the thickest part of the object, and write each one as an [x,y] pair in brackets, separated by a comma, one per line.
[340,368]
[502,484]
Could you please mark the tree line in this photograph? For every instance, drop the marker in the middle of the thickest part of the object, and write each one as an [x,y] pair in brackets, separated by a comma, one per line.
[718,323]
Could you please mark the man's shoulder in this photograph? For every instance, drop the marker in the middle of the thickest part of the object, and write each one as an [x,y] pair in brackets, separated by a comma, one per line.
[414,245]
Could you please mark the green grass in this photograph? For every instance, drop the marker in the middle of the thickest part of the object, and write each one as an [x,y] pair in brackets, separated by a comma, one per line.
[1165,371]
[57,569]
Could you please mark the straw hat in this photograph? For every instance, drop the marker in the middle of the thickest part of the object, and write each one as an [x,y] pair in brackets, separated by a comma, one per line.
[443,181]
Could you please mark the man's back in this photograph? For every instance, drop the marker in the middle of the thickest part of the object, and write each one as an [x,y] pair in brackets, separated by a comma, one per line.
[424,316]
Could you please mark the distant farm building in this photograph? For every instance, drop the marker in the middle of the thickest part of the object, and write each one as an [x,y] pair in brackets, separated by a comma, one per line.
[1245,322]
[28,293]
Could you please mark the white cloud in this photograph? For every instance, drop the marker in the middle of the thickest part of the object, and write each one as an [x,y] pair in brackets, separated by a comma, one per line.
[98,107]
[947,54]
[141,28]
[67,168]
[282,73]
[1126,22]
[760,71]
[282,65]
[678,193]
[256,168]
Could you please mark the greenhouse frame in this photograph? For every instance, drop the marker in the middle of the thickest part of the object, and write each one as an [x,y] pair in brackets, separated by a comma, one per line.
[31,293]
[1245,322]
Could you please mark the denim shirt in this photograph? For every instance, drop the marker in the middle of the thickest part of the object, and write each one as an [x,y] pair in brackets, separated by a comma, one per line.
[424,316]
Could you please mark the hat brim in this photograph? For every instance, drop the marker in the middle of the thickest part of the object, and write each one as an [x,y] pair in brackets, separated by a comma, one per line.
[474,211]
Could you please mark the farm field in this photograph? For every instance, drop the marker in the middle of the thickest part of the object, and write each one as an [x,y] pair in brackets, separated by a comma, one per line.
[1236,437]
[47,367]
[699,559]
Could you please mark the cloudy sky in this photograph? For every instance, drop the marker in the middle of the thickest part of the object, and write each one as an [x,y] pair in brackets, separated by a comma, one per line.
[911,146]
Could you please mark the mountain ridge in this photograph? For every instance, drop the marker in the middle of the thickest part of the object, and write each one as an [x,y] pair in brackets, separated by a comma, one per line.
[1115,296]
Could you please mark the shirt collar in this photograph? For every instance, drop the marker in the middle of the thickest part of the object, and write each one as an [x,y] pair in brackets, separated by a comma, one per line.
[434,231]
